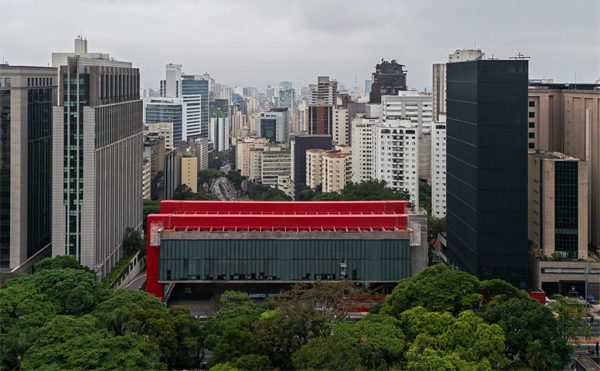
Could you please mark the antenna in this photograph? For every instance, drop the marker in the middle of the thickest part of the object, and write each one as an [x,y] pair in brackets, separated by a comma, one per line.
[519,56]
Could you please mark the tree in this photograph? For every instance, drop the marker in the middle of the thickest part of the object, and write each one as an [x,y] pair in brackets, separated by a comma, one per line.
[236,178]
[68,343]
[206,175]
[425,196]
[437,288]
[183,192]
[150,207]
[445,342]
[59,262]
[434,227]
[330,353]
[265,193]
[133,242]
[369,190]
[525,322]
[114,312]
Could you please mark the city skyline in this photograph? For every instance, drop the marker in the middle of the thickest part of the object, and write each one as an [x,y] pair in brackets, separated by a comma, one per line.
[264,42]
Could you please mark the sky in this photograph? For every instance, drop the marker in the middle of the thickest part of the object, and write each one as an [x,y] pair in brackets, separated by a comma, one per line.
[260,42]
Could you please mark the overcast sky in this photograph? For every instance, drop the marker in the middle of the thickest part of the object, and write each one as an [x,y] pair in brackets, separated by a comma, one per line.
[259,42]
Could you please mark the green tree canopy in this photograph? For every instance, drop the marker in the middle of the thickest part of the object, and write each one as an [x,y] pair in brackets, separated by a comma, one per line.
[365,191]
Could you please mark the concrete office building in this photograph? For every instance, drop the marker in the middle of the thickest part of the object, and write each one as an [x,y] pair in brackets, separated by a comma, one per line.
[172,173]
[438,168]
[274,125]
[163,129]
[97,136]
[242,152]
[146,179]
[330,169]
[558,208]
[299,145]
[202,148]
[565,118]
[439,78]
[487,169]
[189,170]
[268,163]
[27,95]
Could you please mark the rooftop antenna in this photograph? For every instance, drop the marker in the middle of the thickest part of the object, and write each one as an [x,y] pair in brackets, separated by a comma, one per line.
[519,56]
[492,58]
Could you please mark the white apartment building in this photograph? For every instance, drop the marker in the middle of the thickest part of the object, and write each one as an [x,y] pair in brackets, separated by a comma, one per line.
[218,133]
[340,125]
[192,110]
[325,90]
[362,148]
[300,118]
[171,87]
[396,156]
[201,149]
[268,163]
[242,152]
[438,168]
[412,105]
[331,169]
[164,129]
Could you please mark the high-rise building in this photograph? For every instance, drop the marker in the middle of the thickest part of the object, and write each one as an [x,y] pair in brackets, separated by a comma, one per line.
[163,129]
[299,145]
[27,95]
[564,118]
[274,125]
[189,170]
[330,169]
[172,173]
[412,105]
[146,179]
[362,148]
[287,97]
[339,126]
[439,77]
[159,109]
[321,102]
[97,157]
[268,163]
[218,131]
[154,151]
[192,87]
[487,168]
[171,87]
[389,78]
[438,168]
[242,152]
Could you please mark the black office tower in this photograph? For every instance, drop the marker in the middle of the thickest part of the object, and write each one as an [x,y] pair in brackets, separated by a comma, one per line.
[487,168]
[299,145]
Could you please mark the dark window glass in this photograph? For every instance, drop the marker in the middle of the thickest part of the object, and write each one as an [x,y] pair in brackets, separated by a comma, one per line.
[531,103]
[531,135]
[531,145]
[532,114]
[532,125]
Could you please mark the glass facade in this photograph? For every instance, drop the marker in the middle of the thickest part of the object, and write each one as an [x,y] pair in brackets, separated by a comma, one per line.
[4,178]
[39,169]
[75,97]
[166,113]
[268,129]
[566,209]
[283,259]
[199,87]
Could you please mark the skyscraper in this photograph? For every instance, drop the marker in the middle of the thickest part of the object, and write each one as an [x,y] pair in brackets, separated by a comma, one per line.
[487,168]
[321,102]
[299,145]
[388,79]
[192,87]
[97,157]
[27,95]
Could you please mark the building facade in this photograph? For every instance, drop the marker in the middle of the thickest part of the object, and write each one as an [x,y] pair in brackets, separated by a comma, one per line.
[274,126]
[27,95]
[157,110]
[163,129]
[97,157]
[189,170]
[268,163]
[321,103]
[329,169]
[487,168]
[218,131]
[389,78]
[438,168]
[299,145]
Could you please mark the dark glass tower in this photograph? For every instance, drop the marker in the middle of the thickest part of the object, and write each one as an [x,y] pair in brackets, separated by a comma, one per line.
[27,95]
[487,168]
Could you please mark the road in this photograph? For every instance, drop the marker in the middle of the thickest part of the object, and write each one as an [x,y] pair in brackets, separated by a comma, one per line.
[137,283]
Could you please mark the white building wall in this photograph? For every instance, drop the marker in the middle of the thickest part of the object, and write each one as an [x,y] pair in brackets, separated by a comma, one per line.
[191,126]
[362,149]
[438,168]
[164,129]
[396,154]
[414,106]
[340,129]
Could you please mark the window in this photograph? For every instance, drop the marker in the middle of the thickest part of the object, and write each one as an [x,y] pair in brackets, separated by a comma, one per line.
[531,103]
[532,145]
[532,125]
[532,115]
[532,135]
